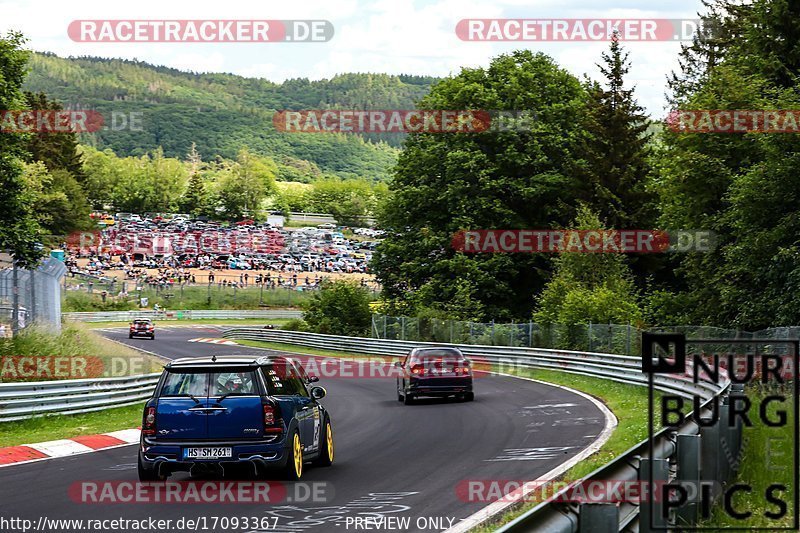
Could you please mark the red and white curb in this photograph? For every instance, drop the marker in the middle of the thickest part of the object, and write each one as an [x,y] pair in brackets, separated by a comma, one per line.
[213,341]
[28,453]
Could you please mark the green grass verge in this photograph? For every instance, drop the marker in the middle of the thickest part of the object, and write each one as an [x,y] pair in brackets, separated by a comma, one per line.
[194,297]
[627,402]
[65,426]
[767,459]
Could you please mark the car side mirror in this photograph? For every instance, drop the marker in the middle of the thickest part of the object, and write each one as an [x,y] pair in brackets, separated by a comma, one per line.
[313,379]
[318,393]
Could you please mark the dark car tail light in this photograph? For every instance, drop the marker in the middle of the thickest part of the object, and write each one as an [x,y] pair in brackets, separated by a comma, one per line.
[149,422]
[272,420]
[417,370]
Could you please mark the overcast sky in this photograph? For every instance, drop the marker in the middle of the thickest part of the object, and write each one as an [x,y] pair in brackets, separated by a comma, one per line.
[392,36]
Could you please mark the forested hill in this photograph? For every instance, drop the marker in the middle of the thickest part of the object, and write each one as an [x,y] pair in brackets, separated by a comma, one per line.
[223,112]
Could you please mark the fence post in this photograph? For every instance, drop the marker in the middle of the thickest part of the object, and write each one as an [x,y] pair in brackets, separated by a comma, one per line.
[590,336]
[451,331]
[32,313]
[493,332]
[688,475]
[709,452]
[628,340]
[530,334]
[598,518]
[511,334]
[402,328]
[651,516]
[15,296]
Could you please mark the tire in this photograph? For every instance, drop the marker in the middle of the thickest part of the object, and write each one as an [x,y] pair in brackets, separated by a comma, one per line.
[470,396]
[408,399]
[130,336]
[326,451]
[399,397]
[147,474]
[293,470]
[152,337]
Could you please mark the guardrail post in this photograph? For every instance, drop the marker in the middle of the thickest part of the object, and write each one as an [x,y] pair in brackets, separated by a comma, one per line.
[651,509]
[688,464]
[598,518]
[709,454]
[725,453]
[737,391]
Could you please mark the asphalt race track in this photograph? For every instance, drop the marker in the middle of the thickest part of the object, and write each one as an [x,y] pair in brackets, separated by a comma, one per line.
[391,460]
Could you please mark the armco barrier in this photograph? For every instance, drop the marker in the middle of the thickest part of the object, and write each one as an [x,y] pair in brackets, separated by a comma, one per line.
[38,398]
[127,316]
[677,453]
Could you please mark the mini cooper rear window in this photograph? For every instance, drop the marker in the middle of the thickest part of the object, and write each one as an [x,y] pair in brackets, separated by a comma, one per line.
[201,382]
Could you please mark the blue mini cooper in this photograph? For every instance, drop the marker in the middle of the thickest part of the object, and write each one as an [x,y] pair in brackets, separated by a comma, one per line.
[209,413]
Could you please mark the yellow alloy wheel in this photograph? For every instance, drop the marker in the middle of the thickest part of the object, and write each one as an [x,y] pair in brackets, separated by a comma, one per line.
[329,432]
[298,456]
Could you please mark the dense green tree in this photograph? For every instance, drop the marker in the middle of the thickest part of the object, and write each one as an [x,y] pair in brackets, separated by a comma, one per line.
[339,308]
[58,201]
[19,230]
[55,150]
[245,184]
[589,287]
[519,178]
[617,152]
[196,200]
[739,185]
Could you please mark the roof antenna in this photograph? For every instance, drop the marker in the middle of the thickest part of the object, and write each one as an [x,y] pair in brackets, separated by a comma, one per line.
[213,358]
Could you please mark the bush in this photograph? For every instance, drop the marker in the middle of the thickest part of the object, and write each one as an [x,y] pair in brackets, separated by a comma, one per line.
[295,324]
[340,308]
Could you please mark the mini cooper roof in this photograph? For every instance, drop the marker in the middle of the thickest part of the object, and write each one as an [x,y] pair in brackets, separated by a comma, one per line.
[222,360]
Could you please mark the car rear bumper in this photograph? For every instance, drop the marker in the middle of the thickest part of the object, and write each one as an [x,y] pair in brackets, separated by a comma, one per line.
[167,457]
[440,386]
[141,333]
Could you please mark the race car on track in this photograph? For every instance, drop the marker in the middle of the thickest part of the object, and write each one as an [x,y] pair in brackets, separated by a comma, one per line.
[435,371]
[142,327]
[210,413]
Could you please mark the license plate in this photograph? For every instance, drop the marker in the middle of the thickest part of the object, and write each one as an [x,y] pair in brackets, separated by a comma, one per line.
[207,453]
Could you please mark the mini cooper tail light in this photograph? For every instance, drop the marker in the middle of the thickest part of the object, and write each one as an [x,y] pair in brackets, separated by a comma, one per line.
[272,421]
[149,424]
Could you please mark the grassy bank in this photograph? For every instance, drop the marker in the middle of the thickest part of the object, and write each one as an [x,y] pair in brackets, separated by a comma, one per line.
[766,459]
[194,297]
[75,353]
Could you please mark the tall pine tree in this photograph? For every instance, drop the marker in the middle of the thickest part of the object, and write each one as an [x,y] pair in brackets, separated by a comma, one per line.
[618,147]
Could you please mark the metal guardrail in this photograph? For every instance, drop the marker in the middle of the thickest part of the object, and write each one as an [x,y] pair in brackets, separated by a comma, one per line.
[126,316]
[683,448]
[21,400]
[621,368]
